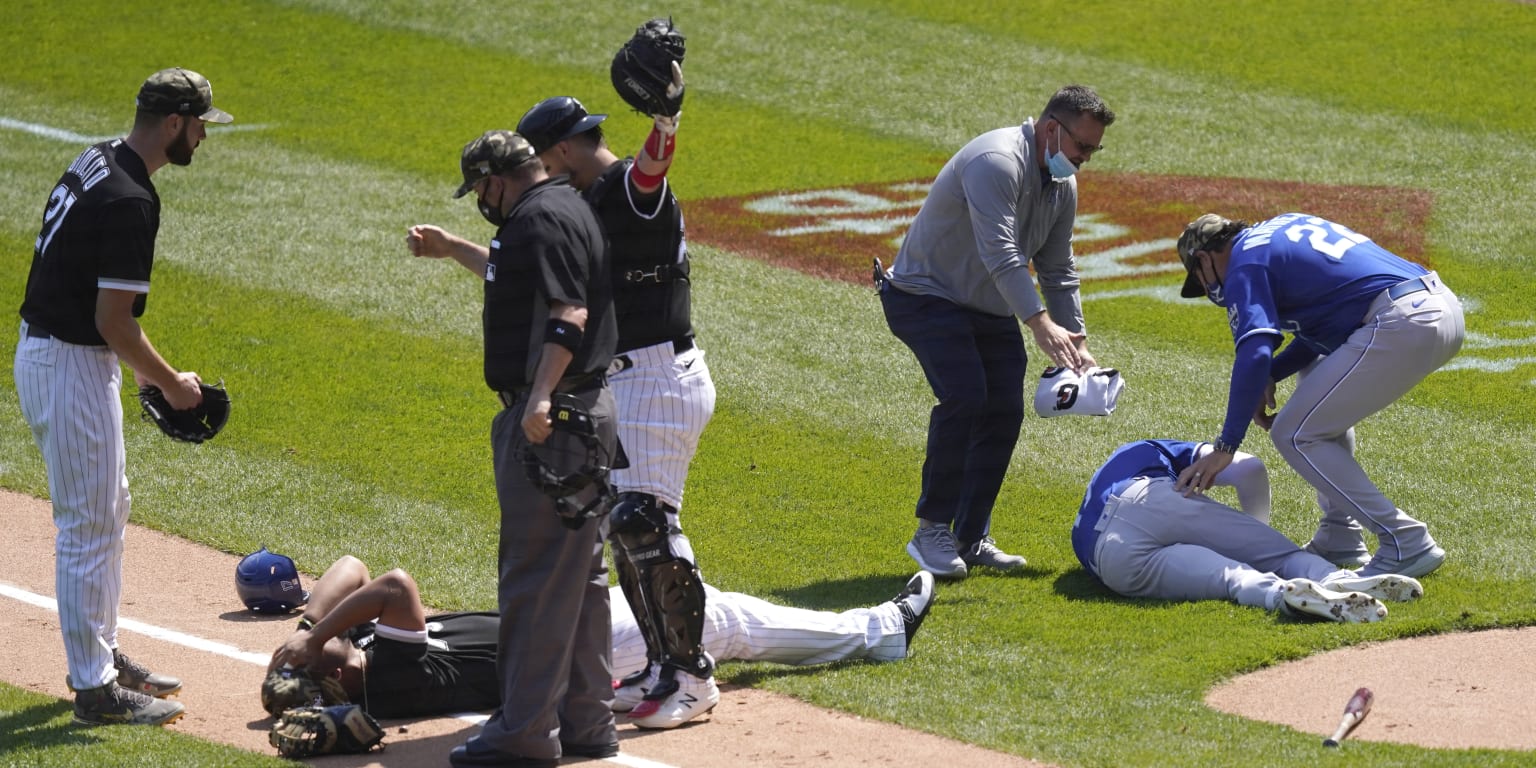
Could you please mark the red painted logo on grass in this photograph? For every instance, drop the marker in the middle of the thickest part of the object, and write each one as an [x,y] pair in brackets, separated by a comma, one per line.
[1127,224]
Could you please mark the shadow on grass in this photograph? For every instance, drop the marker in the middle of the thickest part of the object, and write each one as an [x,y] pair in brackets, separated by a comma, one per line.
[843,594]
[33,728]
[1077,584]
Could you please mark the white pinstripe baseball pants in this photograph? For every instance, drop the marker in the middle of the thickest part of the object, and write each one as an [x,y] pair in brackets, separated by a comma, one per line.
[740,627]
[70,398]
[664,401]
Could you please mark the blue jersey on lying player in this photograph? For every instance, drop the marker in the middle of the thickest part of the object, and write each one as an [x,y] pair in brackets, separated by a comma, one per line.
[1309,277]
[1143,458]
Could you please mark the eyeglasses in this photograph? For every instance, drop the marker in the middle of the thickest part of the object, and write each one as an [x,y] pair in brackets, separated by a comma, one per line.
[1082,145]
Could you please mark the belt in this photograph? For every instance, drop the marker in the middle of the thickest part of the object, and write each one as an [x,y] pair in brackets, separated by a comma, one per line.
[510,397]
[623,362]
[1408,288]
[661,273]
[34,332]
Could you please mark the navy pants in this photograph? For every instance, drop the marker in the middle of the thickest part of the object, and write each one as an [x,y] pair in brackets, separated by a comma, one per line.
[975,363]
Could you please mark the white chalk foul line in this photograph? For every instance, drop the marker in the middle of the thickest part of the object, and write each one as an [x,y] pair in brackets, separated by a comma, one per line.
[148,630]
[61,134]
[259,659]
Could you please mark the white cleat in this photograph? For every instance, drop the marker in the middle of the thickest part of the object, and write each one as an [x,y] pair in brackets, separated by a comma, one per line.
[693,698]
[1303,597]
[1391,587]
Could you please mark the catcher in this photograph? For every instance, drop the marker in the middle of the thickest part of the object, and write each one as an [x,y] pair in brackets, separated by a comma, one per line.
[369,640]
[662,387]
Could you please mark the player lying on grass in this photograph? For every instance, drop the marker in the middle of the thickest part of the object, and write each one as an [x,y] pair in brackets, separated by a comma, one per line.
[373,637]
[1142,538]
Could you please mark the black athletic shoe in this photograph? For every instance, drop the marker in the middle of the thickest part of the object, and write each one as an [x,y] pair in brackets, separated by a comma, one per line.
[914,601]
[589,750]
[113,704]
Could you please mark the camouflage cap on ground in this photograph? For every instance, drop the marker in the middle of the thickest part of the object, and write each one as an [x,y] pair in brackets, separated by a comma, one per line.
[494,152]
[178,91]
[1197,236]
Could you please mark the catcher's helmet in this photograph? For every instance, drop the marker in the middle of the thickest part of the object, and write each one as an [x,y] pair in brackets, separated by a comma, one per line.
[269,583]
[554,120]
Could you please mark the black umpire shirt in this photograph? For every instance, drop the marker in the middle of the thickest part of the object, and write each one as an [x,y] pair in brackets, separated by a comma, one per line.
[98,231]
[549,249]
[650,258]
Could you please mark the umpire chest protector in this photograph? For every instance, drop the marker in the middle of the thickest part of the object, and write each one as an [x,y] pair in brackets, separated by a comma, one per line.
[649,255]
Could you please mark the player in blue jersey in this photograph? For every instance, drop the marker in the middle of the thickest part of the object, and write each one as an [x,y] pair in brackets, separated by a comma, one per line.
[1366,326]
[1143,538]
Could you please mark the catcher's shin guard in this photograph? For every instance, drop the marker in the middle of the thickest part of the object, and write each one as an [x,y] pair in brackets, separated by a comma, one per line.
[665,591]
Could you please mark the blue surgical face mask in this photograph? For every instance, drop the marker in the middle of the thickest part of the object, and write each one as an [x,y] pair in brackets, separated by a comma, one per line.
[1057,163]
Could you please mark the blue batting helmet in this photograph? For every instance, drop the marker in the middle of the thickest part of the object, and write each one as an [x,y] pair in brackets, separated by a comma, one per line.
[269,582]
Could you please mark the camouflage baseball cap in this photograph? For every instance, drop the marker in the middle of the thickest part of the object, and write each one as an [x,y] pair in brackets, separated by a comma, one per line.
[494,152]
[178,91]
[1197,237]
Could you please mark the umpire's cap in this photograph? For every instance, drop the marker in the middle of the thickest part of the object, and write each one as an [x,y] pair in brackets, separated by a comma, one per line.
[493,153]
[554,120]
[178,91]
[1199,235]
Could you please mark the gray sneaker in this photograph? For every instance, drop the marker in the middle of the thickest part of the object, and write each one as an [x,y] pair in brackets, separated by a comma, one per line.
[933,547]
[1414,567]
[1387,586]
[985,552]
[137,677]
[1306,598]
[1353,558]
[113,704]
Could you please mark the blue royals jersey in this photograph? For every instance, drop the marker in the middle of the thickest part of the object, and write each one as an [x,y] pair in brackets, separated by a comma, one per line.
[1309,277]
[1143,458]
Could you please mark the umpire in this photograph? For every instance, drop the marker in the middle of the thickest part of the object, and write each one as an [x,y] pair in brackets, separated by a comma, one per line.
[549,328]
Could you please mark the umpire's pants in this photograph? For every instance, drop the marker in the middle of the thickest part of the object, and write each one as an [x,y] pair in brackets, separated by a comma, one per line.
[554,654]
[975,363]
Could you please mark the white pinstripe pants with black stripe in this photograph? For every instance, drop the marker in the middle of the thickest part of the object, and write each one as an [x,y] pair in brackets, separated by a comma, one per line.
[69,397]
[740,627]
[663,401]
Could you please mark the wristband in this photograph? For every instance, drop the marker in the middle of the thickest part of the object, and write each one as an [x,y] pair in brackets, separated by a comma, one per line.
[305,624]
[1224,447]
[564,333]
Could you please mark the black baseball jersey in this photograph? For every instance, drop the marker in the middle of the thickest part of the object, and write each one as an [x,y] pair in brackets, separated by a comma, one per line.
[453,671]
[550,248]
[649,252]
[98,231]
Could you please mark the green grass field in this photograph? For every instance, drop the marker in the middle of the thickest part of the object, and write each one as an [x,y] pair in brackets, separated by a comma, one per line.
[361,421]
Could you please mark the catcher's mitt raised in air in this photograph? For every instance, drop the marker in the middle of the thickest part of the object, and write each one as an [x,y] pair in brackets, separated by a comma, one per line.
[193,425]
[647,71]
[339,730]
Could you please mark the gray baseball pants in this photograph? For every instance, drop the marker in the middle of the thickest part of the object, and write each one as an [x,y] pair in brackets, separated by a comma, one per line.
[1400,343]
[1155,543]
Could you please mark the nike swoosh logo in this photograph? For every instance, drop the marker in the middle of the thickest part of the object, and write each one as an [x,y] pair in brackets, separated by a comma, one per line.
[1417,303]
[689,365]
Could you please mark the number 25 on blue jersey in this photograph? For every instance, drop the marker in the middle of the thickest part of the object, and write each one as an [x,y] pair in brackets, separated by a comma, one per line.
[1325,237]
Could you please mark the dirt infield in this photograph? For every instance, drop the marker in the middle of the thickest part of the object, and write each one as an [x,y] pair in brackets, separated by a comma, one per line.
[197,597]
[1460,690]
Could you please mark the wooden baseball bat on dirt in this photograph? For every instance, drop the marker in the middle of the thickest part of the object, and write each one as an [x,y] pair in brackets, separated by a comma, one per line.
[1358,707]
